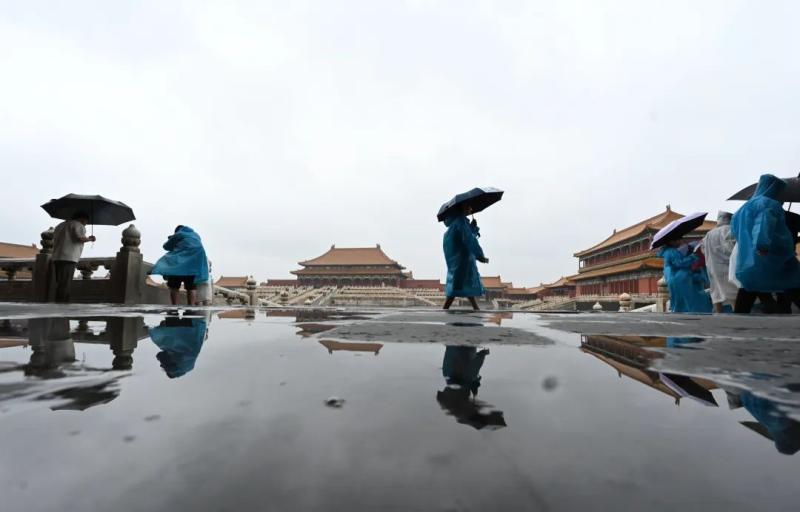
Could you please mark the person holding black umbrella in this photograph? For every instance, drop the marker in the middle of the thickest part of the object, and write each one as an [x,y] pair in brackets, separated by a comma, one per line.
[461,251]
[766,261]
[461,247]
[68,239]
[686,290]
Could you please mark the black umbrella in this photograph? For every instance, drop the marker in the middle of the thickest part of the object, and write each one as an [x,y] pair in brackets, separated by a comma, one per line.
[468,411]
[101,211]
[790,194]
[478,199]
[678,228]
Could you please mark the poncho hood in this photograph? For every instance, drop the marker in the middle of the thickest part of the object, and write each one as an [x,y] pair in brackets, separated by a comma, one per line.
[769,186]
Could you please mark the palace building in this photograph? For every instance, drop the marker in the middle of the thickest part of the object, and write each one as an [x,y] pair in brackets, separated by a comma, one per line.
[564,287]
[624,262]
[351,266]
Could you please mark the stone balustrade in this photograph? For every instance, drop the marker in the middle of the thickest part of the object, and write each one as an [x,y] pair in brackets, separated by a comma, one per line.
[125,282]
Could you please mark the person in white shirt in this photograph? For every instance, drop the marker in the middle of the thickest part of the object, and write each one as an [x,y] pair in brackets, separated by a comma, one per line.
[68,240]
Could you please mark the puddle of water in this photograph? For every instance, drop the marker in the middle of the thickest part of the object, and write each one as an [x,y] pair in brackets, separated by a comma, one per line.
[337,409]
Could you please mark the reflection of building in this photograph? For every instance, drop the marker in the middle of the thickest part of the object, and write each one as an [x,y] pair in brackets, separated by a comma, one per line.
[630,356]
[335,346]
[351,266]
[624,262]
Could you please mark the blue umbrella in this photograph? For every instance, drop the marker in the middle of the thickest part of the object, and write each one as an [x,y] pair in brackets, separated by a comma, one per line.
[478,199]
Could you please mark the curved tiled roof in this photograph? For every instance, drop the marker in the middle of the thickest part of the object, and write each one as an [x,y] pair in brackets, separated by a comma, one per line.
[653,223]
[352,256]
[649,263]
[564,281]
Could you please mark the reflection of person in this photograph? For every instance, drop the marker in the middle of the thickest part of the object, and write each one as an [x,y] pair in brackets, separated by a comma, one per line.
[51,347]
[462,366]
[180,341]
[185,263]
[678,342]
[461,251]
[461,369]
[784,431]
[766,261]
[68,239]
[686,294]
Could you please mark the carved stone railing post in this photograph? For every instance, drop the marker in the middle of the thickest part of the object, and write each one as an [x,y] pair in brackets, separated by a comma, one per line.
[663,296]
[251,291]
[625,303]
[87,269]
[44,282]
[47,240]
[128,274]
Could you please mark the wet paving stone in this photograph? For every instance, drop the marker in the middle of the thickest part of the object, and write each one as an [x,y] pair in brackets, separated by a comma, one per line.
[134,409]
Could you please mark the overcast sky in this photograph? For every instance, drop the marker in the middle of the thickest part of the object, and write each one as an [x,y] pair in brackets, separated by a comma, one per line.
[276,129]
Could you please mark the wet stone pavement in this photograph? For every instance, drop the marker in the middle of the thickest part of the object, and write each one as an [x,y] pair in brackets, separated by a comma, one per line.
[145,409]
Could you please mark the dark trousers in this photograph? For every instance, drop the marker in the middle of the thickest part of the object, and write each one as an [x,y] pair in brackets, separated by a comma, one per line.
[64,270]
[745,300]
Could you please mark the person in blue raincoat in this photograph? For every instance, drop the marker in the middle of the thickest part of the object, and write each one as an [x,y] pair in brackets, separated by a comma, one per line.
[766,260]
[782,429]
[461,251]
[686,293]
[180,341]
[185,262]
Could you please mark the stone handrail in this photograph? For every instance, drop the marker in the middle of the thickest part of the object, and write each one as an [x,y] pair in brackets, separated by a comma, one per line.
[13,265]
[232,295]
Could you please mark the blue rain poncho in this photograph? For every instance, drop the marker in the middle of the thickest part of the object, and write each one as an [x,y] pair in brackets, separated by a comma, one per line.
[185,256]
[461,251]
[686,293]
[784,431]
[760,225]
[180,341]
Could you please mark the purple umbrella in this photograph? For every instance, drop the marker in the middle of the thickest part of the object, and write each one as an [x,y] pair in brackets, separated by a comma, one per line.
[678,228]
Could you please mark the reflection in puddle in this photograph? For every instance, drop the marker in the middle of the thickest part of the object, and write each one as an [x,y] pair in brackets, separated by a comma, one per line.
[461,369]
[335,346]
[180,340]
[633,357]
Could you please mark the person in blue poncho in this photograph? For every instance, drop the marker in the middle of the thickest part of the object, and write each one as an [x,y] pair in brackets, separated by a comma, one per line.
[180,341]
[766,260]
[778,426]
[185,262]
[461,251]
[686,293]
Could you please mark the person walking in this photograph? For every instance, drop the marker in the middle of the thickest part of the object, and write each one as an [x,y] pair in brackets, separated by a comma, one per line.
[461,251]
[686,294]
[185,263]
[718,246]
[766,259]
[68,240]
